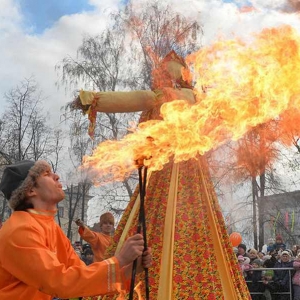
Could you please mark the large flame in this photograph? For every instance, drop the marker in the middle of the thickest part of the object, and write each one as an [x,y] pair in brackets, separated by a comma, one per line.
[248,83]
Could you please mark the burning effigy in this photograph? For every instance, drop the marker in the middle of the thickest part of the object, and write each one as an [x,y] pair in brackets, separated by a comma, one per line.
[240,84]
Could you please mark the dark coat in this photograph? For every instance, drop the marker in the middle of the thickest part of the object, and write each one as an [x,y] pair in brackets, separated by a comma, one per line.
[282,278]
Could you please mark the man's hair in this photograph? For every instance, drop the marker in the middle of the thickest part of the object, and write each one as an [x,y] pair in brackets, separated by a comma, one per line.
[88,251]
[16,194]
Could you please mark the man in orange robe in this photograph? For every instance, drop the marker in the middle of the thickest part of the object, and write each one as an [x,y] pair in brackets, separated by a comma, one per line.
[37,260]
[99,241]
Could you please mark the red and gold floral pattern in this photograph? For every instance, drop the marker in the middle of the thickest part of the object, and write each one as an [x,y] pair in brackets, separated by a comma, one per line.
[195,268]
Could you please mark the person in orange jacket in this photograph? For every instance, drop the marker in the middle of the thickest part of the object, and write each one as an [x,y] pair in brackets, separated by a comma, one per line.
[37,261]
[99,241]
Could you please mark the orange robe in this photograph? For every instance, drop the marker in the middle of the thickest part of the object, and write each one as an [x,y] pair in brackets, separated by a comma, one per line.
[98,241]
[37,261]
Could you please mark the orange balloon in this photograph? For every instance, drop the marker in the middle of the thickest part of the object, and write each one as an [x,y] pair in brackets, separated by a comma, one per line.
[235,239]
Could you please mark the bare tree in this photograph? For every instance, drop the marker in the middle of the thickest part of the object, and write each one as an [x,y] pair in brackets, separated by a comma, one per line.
[24,132]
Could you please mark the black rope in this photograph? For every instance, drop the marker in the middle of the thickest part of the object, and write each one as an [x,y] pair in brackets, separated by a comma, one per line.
[141,225]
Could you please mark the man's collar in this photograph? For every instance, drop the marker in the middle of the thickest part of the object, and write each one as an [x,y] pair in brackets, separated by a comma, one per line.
[42,212]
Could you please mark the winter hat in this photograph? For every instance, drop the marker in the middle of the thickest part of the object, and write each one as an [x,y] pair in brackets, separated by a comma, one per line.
[20,177]
[266,257]
[257,261]
[278,237]
[88,251]
[246,260]
[241,258]
[285,252]
[269,273]
[242,246]
[107,218]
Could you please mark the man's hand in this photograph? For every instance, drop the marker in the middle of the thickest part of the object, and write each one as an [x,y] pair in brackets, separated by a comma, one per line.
[132,249]
[79,223]
[143,262]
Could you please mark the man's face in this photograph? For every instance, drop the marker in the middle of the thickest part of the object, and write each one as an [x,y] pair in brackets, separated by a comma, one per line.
[252,254]
[241,251]
[107,228]
[48,188]
[284,257]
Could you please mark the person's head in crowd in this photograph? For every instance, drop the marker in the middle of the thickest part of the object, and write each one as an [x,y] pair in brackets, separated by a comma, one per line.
[88,252]
[256,263]
[86,246]
[242,249]
[261,255]
[279,239]
[285,256]
[252,253]
[26,185]
[295,249]
[268,275]
[89,256]
[107,223]
[271,241]
[77,246]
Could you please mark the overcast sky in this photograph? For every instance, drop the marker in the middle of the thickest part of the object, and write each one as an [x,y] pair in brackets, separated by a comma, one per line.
[36,35]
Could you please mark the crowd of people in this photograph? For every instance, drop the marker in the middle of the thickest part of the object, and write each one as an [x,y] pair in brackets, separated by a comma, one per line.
[270,282]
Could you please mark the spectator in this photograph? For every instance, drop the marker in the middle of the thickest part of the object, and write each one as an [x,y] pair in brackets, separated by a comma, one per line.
[99,241]
[37,261]
[244,265]
[270,262]
[270,246]
[78,247]
[279,244]
[267,284]
[296,278]
[86,246]
[242,250]
[261,255]
[255,277]
[282,277]
[88,256]
[295,250]
[252,253]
